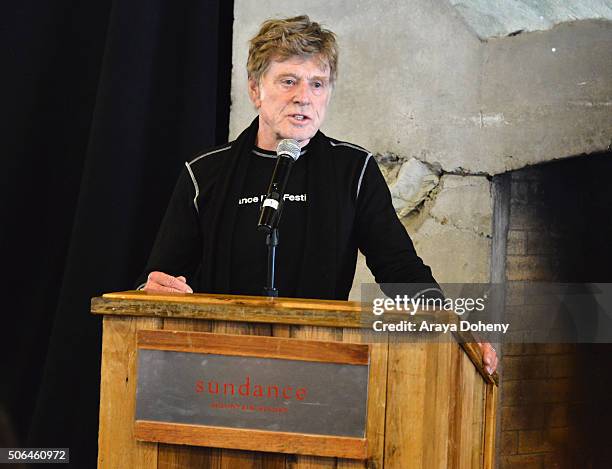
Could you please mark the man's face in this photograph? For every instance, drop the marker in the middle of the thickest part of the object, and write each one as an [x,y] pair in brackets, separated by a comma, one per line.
[291,98]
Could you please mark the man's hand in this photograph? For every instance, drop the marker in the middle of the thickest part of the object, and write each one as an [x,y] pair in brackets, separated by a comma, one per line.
[161,282]
[489,357]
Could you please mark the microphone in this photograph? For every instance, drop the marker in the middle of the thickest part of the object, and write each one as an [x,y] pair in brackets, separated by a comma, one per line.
[287,152]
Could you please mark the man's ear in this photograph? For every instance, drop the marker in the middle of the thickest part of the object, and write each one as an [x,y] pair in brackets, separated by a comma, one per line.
[254,93]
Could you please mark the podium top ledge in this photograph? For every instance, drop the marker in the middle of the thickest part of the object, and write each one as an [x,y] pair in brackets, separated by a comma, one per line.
[243,308]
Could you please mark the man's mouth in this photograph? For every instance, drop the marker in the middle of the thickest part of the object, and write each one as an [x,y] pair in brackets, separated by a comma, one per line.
[299,117]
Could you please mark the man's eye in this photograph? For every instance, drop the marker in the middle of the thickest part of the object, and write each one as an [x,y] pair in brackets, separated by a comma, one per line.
[288,81]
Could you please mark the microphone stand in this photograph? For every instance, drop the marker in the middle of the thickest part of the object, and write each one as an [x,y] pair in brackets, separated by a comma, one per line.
[287,152]
[271,242]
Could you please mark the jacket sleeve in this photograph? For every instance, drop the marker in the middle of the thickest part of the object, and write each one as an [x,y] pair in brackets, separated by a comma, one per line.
[178,247]
[382,238]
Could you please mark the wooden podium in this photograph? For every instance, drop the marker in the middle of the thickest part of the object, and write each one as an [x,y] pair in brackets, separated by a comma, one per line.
[429,405]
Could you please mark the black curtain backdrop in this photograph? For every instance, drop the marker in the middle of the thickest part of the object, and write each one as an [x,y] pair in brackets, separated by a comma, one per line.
[102,102]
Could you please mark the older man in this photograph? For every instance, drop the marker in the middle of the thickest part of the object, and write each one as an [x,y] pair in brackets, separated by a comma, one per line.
[336,199]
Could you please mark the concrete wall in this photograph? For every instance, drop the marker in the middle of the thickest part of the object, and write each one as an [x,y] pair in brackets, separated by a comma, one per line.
[442,110]
[509,17]
[548,95]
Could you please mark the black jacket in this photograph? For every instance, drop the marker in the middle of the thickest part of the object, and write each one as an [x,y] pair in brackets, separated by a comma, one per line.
[349,208]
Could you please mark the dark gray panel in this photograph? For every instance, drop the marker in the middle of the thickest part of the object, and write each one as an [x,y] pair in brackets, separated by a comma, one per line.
[176,387]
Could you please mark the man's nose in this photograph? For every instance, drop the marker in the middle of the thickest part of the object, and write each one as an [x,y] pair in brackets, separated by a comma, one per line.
[302,93]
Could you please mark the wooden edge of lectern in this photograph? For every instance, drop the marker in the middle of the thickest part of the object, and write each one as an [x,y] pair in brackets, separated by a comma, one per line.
[429,405]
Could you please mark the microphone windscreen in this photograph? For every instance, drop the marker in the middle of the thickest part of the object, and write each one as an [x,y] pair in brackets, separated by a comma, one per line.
[289,147]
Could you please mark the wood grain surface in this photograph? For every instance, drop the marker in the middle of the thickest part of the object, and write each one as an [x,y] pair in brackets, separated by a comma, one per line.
[255,346]
[221,437]
[231,308]
[116,444]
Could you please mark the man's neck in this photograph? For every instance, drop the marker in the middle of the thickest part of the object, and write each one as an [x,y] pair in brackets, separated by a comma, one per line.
[271,143]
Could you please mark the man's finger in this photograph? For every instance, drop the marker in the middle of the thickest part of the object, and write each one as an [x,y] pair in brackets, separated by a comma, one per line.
[157,288]
[489,357]
[166,280]
[492,360]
